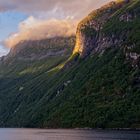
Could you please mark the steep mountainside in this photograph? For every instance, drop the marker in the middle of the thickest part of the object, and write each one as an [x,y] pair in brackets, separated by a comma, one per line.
[32,56]
[98,86]
[107,27]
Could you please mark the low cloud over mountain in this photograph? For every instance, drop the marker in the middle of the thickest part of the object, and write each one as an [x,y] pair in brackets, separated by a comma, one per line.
[35,29]
[47,18]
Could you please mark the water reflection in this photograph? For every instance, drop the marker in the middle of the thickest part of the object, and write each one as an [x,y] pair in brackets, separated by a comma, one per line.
[63,134]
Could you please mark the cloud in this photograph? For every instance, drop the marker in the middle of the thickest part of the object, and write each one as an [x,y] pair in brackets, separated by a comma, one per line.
[59,8]
[35,29]
[3,50]
[40,25]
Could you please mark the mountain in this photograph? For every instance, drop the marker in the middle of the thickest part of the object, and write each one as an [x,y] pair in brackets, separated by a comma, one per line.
[34,55]
[97,86]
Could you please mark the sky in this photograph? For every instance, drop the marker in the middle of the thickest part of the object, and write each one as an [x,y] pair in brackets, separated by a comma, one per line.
[37,19]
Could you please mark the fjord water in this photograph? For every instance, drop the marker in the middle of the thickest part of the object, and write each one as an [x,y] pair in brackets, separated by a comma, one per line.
[63,134]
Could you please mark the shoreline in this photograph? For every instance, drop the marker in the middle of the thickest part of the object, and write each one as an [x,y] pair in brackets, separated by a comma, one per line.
[89,129]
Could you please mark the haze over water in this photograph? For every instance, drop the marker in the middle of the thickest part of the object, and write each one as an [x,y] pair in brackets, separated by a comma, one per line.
[63,134]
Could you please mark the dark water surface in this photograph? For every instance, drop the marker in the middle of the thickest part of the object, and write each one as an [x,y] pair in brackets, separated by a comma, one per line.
[63,134]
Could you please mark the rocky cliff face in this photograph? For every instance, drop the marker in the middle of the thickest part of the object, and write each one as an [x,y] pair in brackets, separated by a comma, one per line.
[37,54]
[40,49]
[110,26]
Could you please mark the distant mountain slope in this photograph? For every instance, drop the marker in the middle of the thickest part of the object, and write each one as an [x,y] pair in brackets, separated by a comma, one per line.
[32,56]
[98,86]
[39,49]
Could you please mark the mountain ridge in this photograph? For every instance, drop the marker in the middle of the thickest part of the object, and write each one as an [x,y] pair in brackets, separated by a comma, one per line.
[30,54]
[91,36]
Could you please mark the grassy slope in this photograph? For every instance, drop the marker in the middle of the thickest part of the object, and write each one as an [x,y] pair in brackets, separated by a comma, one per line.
[17,65]
[129,32]
[103,92]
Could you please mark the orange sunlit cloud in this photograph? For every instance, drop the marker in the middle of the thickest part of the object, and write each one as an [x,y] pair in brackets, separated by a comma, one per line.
[34,29]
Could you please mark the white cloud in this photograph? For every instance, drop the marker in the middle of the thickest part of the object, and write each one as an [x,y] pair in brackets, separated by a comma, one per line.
[34,29]
[66,13]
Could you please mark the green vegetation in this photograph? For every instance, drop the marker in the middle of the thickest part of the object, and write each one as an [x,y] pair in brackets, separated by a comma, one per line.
[102,92]
[127,31]
[99,91]
[22,63]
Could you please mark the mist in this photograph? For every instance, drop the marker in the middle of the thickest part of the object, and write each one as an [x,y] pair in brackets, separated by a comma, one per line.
[36,29]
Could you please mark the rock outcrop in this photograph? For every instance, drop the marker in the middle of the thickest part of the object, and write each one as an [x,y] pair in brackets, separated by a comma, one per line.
[40,49]
[90,36]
